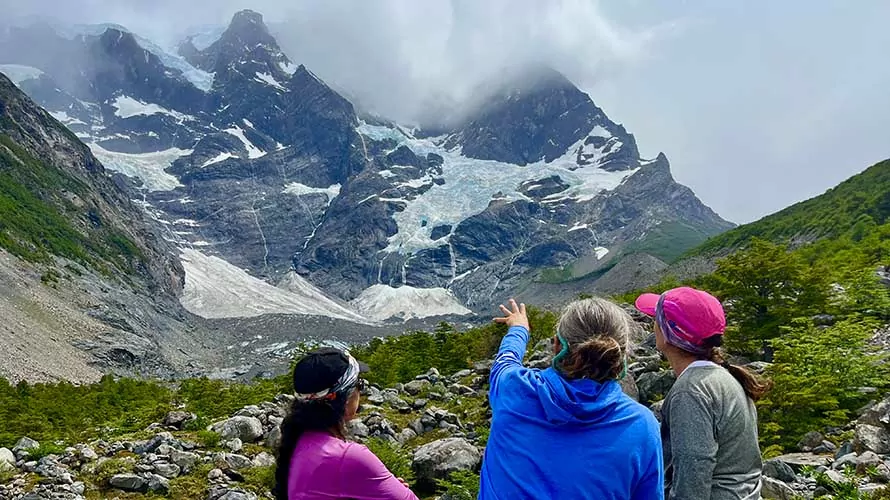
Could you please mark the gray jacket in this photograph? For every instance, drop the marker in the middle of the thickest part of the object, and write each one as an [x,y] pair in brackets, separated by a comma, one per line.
[709,433]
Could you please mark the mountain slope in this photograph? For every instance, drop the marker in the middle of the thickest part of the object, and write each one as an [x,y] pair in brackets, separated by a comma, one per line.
[95,274]
[861,199]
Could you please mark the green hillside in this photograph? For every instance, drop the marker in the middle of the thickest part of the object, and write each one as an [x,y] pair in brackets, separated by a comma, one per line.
[855,205]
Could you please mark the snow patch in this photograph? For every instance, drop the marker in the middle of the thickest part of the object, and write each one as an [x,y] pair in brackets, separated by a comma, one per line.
[387,173]
[150,168]
[576,227]
[381,302]
[599,131]
[18,73]
[252,151]
[288,67]
[218,158]
[215,288]
[63,117]
[297,189]
[601,252]
[269,80]
[127,106]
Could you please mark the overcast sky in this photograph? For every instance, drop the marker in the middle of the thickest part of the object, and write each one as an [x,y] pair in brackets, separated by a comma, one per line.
[758,104]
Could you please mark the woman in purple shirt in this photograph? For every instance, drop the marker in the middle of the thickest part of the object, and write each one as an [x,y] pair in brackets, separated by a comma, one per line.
[315,461]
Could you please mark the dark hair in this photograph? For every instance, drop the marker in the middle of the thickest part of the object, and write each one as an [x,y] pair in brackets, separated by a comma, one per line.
[755,386]
[317,415]
[598,333]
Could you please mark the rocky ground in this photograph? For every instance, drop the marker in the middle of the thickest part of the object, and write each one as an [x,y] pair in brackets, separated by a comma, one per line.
[436,425]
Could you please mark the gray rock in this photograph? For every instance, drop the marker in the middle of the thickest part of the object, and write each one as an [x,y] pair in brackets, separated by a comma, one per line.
[169,471]
[247,429]
[78,488]
[438,459]
[237,462]
[845,449]
[235,445]
[462,390]
[773,489]
[825,447]
[216,475]
[872,438]
[128,482]
[836,476]
[629,386]
[461,374]
[237,495]
[25,444]
[419,404]
[415,387]
[87,453]
[866,460]
[356,428]
[652,385]
[877,414]
[264,460]
[656,408]
[7,459]
[184,460]
[433,375]
[779,470]
[799,460]
[810,440]
[177,419]
[273,438]
[405,435]
[158,484]
[850,459]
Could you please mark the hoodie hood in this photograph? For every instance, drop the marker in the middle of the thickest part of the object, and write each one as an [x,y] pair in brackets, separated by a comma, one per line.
[579,402]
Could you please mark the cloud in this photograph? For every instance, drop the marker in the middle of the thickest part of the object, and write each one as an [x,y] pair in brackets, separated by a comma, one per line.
[398,58]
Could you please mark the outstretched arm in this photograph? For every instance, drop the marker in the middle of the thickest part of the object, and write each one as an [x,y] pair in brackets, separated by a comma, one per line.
[513,346]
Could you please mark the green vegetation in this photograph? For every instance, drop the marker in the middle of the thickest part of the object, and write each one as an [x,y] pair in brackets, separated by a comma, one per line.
[396,458]
[39,222]
[852,207]
[117,407]
[400,359]
[461,485]
[668,241]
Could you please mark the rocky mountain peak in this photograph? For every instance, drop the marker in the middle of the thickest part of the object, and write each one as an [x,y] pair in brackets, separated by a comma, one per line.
[537,115]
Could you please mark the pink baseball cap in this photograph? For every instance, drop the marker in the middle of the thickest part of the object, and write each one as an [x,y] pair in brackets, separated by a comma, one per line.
[694,314]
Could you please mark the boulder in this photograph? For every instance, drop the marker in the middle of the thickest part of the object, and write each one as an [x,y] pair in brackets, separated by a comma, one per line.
[872,438]
[158,484]
[773,489]
[798,460]
[128,482]
[264,460]
[845,449]
[167,470]
[177,419]
[438,459]
[273,438]
[415,387]
[184,460]
[405,435]
[877,414]
[357,429]
[810,440]
[25,444]
[234,445]
[779,470]
[654,385]
[237,462]
[850,459]
[247,429]
[629,386]
[7,459]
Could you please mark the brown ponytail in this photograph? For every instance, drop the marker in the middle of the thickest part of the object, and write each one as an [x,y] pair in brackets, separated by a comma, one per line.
[755,386]
[597,333]
[599,359]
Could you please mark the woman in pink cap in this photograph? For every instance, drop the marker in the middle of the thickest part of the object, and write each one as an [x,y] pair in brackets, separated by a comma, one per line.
[709,421]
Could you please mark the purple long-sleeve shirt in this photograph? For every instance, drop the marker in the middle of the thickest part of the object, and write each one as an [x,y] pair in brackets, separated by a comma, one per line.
[325,467]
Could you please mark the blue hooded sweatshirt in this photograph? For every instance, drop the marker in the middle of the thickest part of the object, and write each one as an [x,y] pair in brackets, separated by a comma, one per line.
[565,439]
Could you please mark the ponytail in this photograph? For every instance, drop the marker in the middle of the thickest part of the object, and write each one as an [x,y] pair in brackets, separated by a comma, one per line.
[317,415]
[598,358]
[754,385]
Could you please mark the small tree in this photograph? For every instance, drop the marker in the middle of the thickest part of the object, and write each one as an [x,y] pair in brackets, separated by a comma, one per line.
[817,374]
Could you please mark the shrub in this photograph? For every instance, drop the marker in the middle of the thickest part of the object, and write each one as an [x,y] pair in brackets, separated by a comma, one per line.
[395,458]
[460,485]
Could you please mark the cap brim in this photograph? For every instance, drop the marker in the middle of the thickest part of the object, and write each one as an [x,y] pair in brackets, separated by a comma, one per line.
[647,303]
[362,367]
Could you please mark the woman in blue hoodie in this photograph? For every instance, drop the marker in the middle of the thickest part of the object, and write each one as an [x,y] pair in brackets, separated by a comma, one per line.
[569,432]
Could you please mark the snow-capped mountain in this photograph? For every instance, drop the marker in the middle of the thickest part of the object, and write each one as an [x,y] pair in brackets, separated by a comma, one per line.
[253,162]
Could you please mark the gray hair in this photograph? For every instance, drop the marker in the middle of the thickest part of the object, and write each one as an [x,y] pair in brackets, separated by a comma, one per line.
[598,333]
